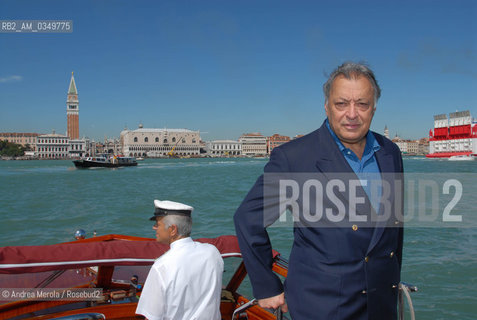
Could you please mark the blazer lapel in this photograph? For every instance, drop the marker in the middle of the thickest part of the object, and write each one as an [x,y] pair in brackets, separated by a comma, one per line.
[332,164]
[330,160]
[387,169]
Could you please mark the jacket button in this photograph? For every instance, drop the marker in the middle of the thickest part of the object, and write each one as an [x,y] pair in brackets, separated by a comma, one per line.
[394,286]
[391,254]
[366,259]
[363,292]
[354,227]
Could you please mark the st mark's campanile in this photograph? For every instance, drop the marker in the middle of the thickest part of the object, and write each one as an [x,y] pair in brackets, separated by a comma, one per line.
[72,110]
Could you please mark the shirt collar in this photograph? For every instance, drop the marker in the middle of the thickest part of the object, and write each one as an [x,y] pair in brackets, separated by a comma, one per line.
[181,242]
[372,144]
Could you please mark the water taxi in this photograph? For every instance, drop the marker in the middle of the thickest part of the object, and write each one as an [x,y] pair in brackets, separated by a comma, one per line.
[105,162]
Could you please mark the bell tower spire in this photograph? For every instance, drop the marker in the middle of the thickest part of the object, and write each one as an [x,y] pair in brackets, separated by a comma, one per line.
[72,110]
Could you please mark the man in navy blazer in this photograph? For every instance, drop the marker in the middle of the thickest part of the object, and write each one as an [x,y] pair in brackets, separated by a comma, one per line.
[349,270]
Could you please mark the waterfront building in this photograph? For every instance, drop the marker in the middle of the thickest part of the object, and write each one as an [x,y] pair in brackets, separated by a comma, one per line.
[77,148]
[402,144]
[52,146]
[453,136]
[221,148]
[275,141]
[423,147]
[203,146]
[111,146]
[253,144]
[152,142]
[72,110]
[22,138]
[412,146]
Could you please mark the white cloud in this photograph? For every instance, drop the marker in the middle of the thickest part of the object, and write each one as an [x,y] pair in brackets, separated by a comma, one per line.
[10,79]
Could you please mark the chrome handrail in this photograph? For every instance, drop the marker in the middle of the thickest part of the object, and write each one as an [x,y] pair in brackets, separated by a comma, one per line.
[277,312]
[406,288]
[244,307]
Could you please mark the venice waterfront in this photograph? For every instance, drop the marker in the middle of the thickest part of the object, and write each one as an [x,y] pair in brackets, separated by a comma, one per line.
[44,202]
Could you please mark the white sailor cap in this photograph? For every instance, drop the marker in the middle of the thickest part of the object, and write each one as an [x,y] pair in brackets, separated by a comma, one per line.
[166,207]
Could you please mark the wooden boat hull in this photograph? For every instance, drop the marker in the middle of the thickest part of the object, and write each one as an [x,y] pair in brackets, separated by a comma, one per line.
[105,262]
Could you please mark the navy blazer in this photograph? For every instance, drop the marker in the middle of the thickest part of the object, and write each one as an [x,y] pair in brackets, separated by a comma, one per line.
[334,273]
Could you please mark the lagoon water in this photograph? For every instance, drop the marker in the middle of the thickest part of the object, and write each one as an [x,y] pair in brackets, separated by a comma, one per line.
[44,202]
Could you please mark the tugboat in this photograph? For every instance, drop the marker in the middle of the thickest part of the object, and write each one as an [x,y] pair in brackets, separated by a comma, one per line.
[103,161]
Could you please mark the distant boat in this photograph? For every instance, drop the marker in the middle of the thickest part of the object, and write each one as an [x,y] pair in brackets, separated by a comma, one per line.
[139,159]
[463,157]
[105,162]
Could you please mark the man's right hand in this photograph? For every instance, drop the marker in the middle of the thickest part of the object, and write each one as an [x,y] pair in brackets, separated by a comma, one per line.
[274,302]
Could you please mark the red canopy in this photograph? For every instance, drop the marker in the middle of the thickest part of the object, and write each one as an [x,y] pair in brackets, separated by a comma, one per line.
[99,251]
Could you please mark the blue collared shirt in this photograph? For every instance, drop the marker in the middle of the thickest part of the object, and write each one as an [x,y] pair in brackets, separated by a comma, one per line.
[367,168]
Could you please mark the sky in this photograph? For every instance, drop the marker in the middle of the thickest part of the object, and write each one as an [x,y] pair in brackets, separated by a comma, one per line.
[230,67]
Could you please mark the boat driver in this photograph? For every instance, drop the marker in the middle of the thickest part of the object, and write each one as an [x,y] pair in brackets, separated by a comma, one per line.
[185,282]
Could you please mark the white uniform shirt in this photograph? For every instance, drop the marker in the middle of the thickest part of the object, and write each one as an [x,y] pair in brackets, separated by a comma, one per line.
[184,283]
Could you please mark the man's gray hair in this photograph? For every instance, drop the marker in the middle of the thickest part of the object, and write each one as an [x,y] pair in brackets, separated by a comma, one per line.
[352,70]
[183,223]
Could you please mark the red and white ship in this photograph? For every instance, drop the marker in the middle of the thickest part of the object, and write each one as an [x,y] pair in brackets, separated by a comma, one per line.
[453,136]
